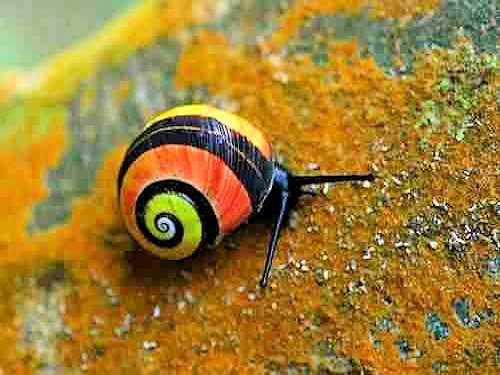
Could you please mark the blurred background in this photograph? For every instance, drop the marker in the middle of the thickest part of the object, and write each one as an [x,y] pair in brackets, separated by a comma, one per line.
[31,32]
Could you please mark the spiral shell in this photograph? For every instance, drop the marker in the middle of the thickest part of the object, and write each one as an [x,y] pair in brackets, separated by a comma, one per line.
[193,175]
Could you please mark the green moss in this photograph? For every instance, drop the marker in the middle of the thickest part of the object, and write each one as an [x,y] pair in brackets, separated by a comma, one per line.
[453,106]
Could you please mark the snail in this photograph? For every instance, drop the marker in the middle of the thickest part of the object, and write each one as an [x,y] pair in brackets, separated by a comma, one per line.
[196,173]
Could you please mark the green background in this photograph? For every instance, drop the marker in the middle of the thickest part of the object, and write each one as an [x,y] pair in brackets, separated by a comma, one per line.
[34,30]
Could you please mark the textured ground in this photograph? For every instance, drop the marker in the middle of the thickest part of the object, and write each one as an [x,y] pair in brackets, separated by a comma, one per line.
[400,276]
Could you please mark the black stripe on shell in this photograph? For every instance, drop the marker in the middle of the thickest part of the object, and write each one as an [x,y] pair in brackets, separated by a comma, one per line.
[253,170]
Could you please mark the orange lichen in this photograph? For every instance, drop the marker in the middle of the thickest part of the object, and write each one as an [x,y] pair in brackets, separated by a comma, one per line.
[300,12]
[304,10]
[403,9]
[21,171]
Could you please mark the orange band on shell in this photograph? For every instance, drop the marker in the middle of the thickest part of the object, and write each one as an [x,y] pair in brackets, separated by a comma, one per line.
[204,171]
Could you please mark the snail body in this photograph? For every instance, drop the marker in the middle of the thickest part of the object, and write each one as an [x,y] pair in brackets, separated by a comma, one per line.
[195,174]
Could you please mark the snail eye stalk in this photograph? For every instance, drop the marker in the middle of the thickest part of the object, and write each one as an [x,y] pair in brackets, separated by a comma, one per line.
[300,181]
[290,189]
[278,225]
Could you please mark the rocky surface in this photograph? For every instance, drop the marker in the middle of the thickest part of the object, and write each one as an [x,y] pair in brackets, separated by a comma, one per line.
[396,276]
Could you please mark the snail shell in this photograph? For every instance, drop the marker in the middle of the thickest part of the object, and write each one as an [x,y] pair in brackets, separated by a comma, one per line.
[193,175]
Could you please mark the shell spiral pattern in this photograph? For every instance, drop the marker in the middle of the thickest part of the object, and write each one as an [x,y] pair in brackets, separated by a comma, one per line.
[193,175]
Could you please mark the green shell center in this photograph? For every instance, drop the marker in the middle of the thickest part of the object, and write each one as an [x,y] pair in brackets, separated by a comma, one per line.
[157,216]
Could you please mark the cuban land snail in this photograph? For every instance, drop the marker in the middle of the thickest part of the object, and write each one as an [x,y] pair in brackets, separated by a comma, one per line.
[196,173]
